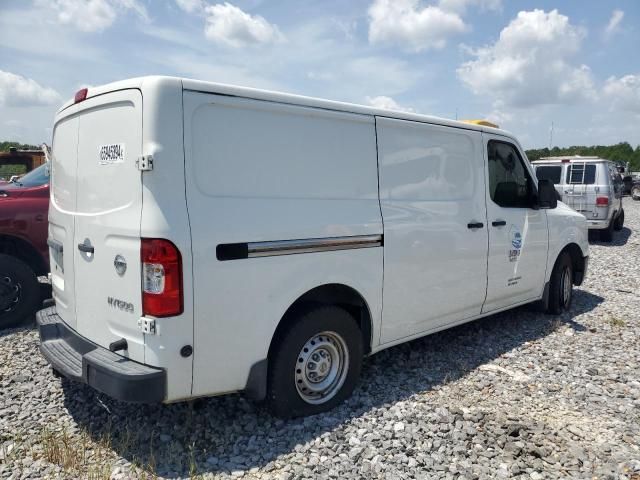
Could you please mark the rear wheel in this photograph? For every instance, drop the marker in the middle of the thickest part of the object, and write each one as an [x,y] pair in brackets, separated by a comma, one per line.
[19,291]
[619,223]
[316,363]
[561,285]
[635,193]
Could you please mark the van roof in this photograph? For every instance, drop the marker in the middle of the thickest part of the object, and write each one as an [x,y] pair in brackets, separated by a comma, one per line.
[570,159]
[267,95]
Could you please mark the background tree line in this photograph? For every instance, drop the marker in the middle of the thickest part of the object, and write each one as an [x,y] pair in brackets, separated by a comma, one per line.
[621,152]
[5,146]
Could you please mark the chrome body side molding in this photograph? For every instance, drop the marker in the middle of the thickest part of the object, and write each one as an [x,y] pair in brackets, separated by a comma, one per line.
[237,251]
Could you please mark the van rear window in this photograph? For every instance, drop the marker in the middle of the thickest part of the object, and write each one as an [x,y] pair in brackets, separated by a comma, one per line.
[549,173]
[582,174]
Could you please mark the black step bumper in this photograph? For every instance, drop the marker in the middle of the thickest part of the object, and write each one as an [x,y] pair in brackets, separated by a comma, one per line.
[81,360]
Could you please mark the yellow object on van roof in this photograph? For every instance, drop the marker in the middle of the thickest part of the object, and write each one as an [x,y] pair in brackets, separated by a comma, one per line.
[484,123]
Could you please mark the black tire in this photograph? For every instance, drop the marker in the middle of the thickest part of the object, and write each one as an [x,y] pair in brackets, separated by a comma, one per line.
[286,382]
[560,297]
[619,223]
[635,193]
[19,291]
[606,235]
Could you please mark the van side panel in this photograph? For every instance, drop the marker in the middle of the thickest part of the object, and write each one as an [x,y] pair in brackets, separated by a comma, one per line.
[261,171]
[432,187]
[164,215]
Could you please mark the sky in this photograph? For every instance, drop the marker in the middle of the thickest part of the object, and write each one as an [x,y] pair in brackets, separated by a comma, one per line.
[524,65]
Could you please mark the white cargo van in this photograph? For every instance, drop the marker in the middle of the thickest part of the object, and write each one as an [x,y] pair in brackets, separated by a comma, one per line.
[209,239]
[591,186]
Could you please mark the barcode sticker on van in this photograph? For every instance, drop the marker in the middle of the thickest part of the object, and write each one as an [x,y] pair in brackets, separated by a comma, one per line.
[108,154]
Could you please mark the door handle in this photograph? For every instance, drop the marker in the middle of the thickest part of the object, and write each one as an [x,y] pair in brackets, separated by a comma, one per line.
[475,225]
[499,223]
[85,248]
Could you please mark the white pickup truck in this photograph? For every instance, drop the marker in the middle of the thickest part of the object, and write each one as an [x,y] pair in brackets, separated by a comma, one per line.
[207,239]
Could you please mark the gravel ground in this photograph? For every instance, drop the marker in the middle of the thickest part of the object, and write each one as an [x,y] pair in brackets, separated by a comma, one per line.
[516,395]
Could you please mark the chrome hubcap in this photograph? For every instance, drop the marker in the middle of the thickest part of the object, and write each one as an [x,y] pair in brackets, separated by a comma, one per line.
[321,367]
[566,287]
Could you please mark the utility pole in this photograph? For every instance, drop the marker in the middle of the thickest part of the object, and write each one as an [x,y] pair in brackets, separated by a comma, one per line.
[551,136]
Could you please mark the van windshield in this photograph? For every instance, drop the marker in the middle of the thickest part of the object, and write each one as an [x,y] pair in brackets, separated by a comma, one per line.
[549,173]
[581,174]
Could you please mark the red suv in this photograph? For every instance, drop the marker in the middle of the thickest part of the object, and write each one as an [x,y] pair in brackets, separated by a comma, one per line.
[24,254]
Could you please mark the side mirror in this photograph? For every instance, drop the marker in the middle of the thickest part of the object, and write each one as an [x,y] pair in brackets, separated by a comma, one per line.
[547,195]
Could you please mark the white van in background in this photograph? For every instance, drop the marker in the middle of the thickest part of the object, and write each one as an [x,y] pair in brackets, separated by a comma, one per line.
[209,239]
[591,186]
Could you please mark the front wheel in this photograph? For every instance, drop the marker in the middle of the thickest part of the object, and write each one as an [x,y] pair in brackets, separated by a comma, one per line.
[561,285]
[19,291]
[316,363]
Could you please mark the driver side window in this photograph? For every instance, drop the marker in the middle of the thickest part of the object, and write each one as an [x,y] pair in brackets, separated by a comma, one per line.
[509,183]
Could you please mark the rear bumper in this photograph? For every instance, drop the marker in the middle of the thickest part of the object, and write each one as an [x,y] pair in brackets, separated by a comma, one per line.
[81,360]
[598,224]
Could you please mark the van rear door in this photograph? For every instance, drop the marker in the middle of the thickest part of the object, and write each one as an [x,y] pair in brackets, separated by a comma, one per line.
[106,221]
[62,215]
[580,189]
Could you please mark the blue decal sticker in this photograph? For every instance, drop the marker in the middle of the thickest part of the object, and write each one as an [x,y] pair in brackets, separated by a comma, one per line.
[517,240]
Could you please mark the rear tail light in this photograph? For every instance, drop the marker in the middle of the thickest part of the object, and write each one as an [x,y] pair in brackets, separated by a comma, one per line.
[602,201]
[80,95]
[161,278]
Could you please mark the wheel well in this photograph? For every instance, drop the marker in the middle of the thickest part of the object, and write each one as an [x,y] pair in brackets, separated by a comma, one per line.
[330,294]
[577,262]
[19,248]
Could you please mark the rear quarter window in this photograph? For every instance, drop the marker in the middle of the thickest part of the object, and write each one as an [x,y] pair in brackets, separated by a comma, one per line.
[549,173]
[581,174]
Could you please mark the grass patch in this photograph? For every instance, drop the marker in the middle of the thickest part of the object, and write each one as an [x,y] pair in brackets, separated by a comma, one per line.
[616,322]
[83,457]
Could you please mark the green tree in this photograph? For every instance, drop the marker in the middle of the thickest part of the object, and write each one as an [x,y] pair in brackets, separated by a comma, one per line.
[5,146]
[621,152]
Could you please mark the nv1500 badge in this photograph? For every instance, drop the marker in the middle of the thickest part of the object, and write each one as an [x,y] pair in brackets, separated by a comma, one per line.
[120,304]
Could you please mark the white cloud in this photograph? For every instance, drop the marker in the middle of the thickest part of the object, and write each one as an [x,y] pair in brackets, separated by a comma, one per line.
[18,91]
[462,5]
[499,115]
[614,23]
[13,123]
[405,23]
[624,92]
[228,25]
[91,15]
[387,103]
[191,6]
[530,63]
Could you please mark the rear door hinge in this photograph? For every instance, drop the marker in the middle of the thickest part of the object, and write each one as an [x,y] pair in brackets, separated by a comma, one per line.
[147,325]
[145,163]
